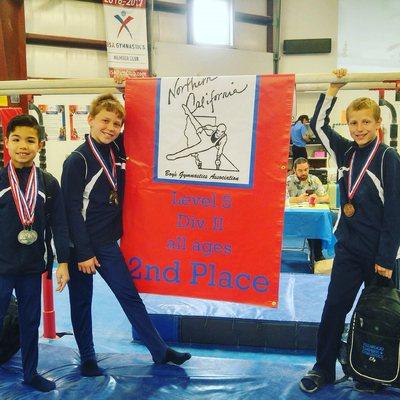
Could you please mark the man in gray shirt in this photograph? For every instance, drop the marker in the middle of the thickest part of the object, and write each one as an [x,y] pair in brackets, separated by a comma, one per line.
[304,187]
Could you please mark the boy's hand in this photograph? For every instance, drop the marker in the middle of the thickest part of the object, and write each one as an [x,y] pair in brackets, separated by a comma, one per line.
[62,275]
[340,73]
[334,86]
[387,273]
[89,266]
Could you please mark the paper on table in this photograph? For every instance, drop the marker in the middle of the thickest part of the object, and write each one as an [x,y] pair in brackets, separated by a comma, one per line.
[306,205]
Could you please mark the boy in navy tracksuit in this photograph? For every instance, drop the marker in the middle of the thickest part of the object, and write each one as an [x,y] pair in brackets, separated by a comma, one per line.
[368,228]
[22,243]
[93,185]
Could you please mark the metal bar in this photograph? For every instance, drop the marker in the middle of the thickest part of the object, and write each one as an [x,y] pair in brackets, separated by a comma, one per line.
[277,10]
[356,77]
[253,19]
[65,41]
[305,82]
[169,7]
[39,91]
[271,27]
[321,87]
[58,84]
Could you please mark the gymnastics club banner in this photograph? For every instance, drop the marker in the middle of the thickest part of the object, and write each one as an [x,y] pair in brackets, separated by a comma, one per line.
[205,185]
[126,34]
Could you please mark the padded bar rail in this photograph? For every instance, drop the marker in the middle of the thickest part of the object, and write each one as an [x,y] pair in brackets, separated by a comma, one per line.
[305,82]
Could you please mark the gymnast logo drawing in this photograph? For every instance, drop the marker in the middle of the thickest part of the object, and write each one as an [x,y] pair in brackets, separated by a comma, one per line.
[124,22]
[204,138]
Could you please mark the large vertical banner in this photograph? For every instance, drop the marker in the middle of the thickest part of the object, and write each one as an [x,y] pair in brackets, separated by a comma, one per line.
[205,185]
[126,32]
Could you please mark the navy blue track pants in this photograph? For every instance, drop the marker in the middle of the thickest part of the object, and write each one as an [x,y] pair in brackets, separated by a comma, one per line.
[114,271]
[348,273]
[28,290]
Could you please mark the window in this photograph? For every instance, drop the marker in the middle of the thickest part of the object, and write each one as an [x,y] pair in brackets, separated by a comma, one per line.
[211,22]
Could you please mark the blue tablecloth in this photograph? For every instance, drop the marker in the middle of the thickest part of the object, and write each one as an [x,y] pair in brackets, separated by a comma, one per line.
[310,223]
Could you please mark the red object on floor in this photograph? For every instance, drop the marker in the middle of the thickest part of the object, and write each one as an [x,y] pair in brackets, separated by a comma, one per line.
[49,315]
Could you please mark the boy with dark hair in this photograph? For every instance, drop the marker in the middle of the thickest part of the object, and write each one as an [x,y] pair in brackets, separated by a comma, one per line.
[22,238]
[368,228]
[93,185]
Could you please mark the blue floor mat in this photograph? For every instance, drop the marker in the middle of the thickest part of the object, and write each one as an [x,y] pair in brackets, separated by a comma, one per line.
[215,373]
[134,376]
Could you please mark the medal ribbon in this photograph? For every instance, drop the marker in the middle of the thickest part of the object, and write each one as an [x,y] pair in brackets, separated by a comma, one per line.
[352,190]
[111,176]
[25,203]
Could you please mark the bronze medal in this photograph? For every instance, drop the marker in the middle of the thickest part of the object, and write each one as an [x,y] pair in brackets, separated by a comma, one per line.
[113,199]
[352,188]
[349,210]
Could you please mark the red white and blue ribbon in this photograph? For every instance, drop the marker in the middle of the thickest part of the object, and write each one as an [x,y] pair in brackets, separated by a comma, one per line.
[25,203]
[352,189]
[111,175]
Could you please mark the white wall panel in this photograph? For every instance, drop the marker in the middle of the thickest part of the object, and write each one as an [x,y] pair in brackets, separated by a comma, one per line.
[65,18]
[186,60]
[58,62]
[168,27]
[309,19]
[73,18]
[250,37]
[369,35]
[258,7]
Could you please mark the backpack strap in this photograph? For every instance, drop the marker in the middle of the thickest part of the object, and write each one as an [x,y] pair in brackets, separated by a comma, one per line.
[48,205]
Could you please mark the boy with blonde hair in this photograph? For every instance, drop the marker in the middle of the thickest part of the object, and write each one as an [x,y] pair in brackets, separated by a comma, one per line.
[368,228]
[93,186]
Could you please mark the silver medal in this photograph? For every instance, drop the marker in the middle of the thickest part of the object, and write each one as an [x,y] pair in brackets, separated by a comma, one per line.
[27,236]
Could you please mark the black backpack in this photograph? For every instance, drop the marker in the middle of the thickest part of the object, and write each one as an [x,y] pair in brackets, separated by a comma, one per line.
[373,343]
[9,336]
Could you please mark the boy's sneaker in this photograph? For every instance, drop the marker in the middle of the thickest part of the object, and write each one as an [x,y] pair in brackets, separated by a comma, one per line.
[312,381]
[368,387]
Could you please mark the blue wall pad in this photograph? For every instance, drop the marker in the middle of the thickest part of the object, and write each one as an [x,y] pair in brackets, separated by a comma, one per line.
[295,262]
[253,333]
[293,325]
[134,376]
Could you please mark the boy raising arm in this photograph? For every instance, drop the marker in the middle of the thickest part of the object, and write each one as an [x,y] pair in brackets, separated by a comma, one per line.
[368,228]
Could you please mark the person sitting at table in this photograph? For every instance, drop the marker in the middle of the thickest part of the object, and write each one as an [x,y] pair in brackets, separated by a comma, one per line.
[304,187]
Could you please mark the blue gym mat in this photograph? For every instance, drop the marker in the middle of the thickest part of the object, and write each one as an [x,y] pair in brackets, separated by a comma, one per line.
[134,376]
[216,373]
